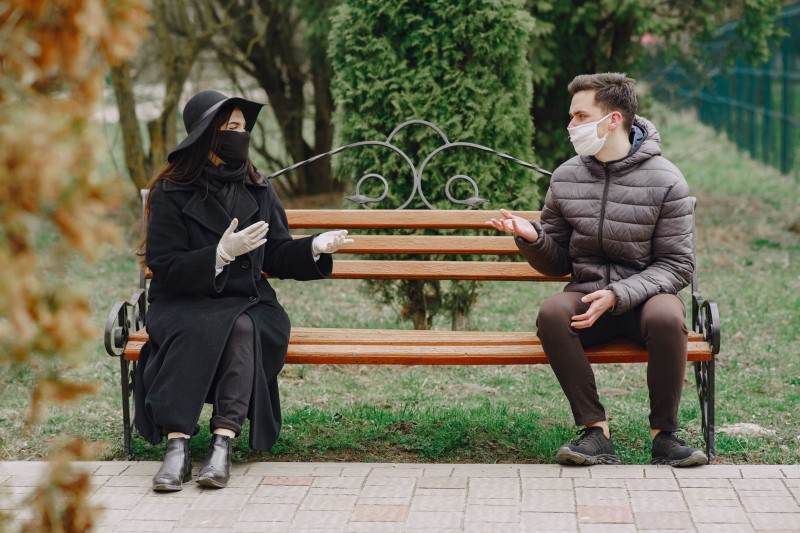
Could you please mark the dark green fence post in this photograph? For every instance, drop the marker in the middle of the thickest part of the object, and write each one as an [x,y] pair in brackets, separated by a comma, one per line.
[757,115]
[740,96]
[755,101]
[785,99]
[766,133]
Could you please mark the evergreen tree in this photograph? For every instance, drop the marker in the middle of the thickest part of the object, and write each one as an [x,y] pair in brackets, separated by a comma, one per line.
[460,65]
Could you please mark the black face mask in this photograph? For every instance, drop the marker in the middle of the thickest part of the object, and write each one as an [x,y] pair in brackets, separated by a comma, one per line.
[233,147]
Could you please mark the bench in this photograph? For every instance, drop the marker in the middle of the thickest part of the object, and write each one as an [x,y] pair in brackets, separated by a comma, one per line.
[126,332]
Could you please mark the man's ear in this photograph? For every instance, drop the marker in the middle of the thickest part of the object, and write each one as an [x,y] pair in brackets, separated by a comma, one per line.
[616,119]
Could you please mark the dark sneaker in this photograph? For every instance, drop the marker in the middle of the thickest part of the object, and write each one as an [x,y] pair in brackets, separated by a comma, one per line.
[590,448]
[670,450]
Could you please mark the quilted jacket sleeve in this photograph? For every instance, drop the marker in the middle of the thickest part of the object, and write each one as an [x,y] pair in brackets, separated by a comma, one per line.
[550,253]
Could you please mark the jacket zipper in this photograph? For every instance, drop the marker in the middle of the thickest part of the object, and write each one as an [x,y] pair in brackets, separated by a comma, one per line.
[603,211]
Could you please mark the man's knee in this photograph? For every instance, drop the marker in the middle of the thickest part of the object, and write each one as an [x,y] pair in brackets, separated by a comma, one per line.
[556,312]
[664,316]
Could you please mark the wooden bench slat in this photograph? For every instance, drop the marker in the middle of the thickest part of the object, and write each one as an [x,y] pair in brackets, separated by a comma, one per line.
[412,347]
[392,218]
[619,352]
[408,337]
[478,270]
[428,244]
[371,358]
[398,269]
[306,335]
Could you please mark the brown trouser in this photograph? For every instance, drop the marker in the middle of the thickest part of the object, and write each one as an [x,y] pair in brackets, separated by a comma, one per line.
[659,324]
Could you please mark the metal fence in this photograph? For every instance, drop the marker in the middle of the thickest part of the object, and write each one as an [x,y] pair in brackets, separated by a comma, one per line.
[757,106]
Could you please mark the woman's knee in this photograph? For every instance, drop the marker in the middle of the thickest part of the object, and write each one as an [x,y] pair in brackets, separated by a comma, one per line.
[243,326]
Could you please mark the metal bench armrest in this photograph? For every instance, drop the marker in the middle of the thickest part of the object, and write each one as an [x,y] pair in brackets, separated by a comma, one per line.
[125,316]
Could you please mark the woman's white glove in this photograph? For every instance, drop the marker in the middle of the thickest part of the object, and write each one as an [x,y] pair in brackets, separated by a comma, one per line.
[329,242]
[233,244]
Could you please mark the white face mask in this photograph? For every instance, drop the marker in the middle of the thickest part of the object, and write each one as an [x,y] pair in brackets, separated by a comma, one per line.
[584,137]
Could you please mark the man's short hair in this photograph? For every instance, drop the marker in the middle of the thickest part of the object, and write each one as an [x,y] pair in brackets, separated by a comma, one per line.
[614,91]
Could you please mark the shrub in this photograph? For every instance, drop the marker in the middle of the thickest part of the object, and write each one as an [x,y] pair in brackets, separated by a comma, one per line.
[459,65]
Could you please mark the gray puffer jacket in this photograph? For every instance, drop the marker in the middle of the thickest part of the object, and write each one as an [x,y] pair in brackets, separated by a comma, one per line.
[625,225]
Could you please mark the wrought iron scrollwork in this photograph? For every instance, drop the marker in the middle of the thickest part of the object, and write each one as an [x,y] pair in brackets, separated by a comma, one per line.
[417,190]
[473,201]
[125,316]
[705,318]
[362,199]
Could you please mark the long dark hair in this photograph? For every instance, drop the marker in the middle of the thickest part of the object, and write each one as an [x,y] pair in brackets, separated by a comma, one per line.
[187,166]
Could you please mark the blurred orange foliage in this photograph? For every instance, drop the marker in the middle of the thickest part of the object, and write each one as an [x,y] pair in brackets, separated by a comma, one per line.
[54,205]
[53,55]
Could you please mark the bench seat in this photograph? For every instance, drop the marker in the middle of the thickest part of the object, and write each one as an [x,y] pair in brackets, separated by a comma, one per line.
[429,347]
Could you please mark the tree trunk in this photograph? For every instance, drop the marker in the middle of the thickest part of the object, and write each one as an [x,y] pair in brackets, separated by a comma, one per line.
[460,320]
[279,72]
[276,56]
[162,130]
[158,152]
[322,180]
[178,59]
[175,41]
[460,299]
[138,167]
[416,295]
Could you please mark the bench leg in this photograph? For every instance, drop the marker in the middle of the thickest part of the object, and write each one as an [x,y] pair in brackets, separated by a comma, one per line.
[126,377]
[125,316]
[704,376]
[705,320]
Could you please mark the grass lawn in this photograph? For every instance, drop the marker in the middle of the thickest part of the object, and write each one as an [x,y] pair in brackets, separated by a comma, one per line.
[749,262]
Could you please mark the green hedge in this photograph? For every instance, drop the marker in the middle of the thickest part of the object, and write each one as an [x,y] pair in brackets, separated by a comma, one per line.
[460,65]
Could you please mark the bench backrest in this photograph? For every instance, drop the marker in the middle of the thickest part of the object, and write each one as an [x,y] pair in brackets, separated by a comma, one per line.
[484,247]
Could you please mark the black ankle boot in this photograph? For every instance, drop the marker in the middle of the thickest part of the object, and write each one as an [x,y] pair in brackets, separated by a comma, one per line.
[216,470]
[177,466]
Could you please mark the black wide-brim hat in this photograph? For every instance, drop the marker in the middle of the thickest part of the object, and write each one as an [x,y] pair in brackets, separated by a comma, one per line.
[201,109]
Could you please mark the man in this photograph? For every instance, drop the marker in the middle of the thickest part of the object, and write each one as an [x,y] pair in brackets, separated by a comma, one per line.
[618,217]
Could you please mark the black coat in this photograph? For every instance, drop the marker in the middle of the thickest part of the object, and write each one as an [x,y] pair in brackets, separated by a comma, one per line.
[191,311]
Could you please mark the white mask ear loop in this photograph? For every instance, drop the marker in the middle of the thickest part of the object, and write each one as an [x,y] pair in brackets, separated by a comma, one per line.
[598,122]
[610,123]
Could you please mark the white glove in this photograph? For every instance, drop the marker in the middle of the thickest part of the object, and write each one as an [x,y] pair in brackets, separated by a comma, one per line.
[232,245]
[329,242]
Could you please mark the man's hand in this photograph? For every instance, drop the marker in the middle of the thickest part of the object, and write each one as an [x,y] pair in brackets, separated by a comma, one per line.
[330,241]
[515,225]
[602,301]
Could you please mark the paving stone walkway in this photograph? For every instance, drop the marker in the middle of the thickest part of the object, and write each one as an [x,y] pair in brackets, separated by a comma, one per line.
[358,497]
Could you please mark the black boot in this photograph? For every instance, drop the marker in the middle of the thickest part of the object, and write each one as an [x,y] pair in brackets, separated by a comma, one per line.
[177,467]
[216,470]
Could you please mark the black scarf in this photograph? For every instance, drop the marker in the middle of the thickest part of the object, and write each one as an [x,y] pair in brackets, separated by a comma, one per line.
[225,183]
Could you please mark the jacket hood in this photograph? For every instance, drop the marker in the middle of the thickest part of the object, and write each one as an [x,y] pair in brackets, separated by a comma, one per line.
[649,146]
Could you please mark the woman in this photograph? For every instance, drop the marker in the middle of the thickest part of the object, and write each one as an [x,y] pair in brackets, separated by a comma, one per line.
[217,332]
